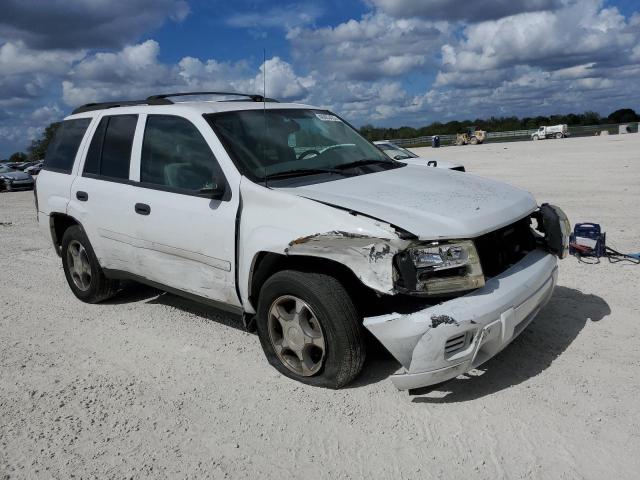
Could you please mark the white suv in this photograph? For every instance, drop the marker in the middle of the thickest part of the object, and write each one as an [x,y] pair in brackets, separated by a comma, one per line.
[284,214]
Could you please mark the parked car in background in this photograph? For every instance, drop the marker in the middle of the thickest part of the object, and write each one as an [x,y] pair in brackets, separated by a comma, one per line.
[286,215]
[11,179]
[25,165]
[403,155]
[34,169]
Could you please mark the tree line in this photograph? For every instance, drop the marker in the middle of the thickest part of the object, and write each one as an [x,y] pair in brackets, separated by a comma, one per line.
[38,147]
[498,124]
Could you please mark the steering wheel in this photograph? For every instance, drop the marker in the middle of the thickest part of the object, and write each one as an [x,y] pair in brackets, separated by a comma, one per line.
[308,152]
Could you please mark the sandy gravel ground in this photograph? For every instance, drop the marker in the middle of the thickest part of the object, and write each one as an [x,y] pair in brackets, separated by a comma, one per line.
[148,385]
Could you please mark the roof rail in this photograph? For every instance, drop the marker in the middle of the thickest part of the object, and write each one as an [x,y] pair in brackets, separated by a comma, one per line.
[90,107]
[164,100]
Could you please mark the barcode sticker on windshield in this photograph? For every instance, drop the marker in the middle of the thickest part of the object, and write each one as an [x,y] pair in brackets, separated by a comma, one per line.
[327,118]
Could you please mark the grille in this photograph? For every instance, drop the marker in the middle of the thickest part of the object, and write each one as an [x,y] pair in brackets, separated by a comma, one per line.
[500,249]
[455,344]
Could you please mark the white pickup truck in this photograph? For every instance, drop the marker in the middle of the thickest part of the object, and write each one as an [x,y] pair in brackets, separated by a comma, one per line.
[285,215]
[554,131]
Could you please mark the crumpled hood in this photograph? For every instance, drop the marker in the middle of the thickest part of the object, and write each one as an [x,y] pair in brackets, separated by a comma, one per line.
[431,203]
[17,175]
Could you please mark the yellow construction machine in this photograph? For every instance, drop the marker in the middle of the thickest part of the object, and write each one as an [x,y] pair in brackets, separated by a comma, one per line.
[472,136]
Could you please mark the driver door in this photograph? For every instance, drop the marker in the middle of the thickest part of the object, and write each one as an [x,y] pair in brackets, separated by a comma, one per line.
[186,241]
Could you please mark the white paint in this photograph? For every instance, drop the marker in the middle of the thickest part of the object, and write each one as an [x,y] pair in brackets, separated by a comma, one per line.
[491,313]
[428,202]
[272,219]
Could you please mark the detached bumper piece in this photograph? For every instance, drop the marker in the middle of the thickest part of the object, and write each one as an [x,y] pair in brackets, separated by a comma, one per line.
[449,339]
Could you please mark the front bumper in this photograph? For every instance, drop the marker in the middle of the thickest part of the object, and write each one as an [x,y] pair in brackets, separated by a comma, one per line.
[448,339]
[17,184]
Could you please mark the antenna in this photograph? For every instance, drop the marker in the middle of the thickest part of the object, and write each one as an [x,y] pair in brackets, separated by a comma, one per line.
[264,111]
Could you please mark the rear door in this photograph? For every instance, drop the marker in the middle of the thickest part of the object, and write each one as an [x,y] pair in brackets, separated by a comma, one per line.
[186,241]
[102,194]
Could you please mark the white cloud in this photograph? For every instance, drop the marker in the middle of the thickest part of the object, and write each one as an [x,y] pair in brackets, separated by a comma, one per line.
[374,47]
[576,34]
[471,11]
[576,58]
[17,59]
[136,72]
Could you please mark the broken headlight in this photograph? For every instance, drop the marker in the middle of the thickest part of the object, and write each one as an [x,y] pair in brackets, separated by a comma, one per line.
[438,268]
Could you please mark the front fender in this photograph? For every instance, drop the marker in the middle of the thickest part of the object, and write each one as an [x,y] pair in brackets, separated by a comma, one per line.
[285,224]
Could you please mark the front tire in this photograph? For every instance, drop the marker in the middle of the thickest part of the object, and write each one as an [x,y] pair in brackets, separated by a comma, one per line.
[82,269]
[310,329]
[535,137]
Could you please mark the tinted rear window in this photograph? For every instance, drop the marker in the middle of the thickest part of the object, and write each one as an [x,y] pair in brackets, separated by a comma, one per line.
[110,151]
[64,146]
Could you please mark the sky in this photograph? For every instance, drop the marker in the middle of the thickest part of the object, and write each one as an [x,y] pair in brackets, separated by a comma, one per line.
[382,62]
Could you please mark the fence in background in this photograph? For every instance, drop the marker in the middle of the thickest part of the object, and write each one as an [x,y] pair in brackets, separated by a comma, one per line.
[518,135]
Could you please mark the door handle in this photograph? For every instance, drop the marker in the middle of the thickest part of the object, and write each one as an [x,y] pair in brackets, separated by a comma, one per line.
[82,196]
[143,209]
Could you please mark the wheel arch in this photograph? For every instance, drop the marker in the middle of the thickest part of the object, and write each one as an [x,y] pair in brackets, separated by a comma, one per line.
[265,264]
[58,224]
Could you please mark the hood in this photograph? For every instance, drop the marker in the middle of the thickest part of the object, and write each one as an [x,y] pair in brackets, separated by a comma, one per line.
[432,203]
[425,162]
[17,175]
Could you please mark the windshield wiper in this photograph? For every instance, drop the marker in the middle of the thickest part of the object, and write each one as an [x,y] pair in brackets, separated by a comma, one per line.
[364,161]
[297,172]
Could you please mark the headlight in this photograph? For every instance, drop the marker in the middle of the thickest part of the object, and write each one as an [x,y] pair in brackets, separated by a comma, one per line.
[439,268]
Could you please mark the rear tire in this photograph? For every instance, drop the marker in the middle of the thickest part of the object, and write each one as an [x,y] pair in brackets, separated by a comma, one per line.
[333,316]
[82,269]
[473,141]
[559,135]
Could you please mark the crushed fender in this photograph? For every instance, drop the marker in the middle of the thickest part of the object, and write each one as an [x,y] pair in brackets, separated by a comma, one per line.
[370,258]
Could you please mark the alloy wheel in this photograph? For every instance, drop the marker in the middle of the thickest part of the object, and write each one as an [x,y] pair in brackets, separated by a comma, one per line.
[296,335]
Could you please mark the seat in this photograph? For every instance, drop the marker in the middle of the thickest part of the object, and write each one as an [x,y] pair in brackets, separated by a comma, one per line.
[185,175]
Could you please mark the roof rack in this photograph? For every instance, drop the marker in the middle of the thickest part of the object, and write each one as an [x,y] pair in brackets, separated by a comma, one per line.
[89,107]
[164,100]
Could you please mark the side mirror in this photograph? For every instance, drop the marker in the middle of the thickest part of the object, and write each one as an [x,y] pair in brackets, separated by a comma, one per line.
[215,191]
[399,157]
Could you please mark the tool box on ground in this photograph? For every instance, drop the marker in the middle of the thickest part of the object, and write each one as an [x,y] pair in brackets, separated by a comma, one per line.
[587,240]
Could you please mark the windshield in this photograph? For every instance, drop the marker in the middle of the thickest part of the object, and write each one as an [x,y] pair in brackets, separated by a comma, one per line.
[4,169]
[396,152]
[297,142]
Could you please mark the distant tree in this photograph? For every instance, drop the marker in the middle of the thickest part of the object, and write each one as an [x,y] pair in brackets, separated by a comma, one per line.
[18,157]
[590,118]
[497,124]
[624,115]
[38,147]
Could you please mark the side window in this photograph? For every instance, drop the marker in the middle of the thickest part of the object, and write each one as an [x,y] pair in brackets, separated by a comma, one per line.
[175,155]
[110,150]
[64,146]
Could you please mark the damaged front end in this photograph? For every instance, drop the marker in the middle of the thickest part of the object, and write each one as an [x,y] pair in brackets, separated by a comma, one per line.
[507,275]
